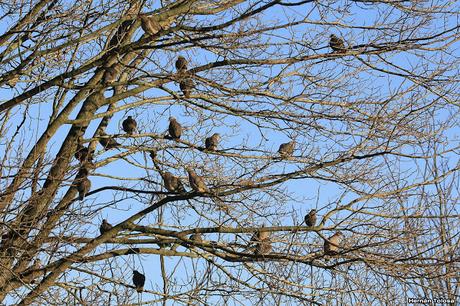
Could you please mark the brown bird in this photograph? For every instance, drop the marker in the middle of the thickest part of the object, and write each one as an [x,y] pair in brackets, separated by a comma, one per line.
[82,154]
[196,182]
[108,142]
[172,183]
[138,281]
[149,24]
[332,246]
[260,236]
[286,149]
[263,248]
[105,226]
[337,44]
[111,74]
[212,142]
[129,125]
[181,64]
[84,185]
[186,86]
[310,218]
[196,237]
[175,129]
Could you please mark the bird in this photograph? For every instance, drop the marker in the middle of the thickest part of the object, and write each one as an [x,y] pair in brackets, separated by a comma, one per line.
[286,149]
[105,226]
[186,85]
[181,64]
[172,183]
[84,185]
[82,153]
[138,281]
[149,24]
[260,236]
[129,125]
[196,237]
[212,142]
[175,129]
[263,248]
[111,74]
[310,218]
[337,44]
[332,246]
[108,142]
[196,182]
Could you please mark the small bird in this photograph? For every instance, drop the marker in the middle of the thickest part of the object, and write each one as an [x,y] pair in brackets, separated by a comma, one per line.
[337,44]
[263,248]
[129,125]
[149,24]
[332,246]
[181,64]
[310,218]
[186,86]
[108,142]
[260,236]
[105,226]
[138,281]
[111,74]
[175,129]
[84,185]
[172,183]
[212,142]
[82,154]
[196,237]
[196,182]
[286,149]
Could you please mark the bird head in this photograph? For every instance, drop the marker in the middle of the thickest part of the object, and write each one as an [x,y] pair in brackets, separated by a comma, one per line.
[172,118]
[181,58]
[216,135]
[313,211]
[130,117]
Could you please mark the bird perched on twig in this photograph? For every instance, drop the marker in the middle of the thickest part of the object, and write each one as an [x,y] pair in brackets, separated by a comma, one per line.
[175,129]
[337,44]
[105,226]
[83,186]
[172,183]
[196,182]
[186,86]
[181,64]
[129,125]
[286,149]
[262,242]
[310,218]
[212,142]
[138,281]
[108,142]
[333,244]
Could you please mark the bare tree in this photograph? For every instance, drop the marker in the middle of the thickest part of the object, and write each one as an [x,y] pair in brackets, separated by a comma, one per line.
[345,108]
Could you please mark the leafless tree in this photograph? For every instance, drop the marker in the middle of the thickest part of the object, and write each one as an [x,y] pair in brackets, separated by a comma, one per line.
[373,114]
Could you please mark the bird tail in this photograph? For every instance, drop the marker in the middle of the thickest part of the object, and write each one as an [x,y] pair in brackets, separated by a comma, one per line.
[140,289]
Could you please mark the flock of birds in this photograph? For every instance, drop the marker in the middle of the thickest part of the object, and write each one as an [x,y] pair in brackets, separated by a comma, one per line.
[261,239]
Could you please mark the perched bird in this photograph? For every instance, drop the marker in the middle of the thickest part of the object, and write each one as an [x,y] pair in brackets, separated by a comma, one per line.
[111,74]
[82,154]
[149,24]
[138,281]
[129,125]
[175,129]
[108,142]
[196,182]
[196,237]
[260,236]
[105,226]
[263,248]
[186,86]
[332,246]
[337,44]
[212,142]
[286,149]
[310,218]
[172,183]
[84,185]
[181,64]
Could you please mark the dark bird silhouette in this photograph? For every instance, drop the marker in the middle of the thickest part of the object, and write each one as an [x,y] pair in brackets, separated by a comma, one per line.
[108,142]
[310,218]
[286,149]
[129,125]
[196,182]
[172,183]
[212,142]
[181,64]
[138,281]
[149,24]
[111,74]
[337,44]
[186,86]
[175,129]
[83,154]
[332,246]
[84,185]
[105,226]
